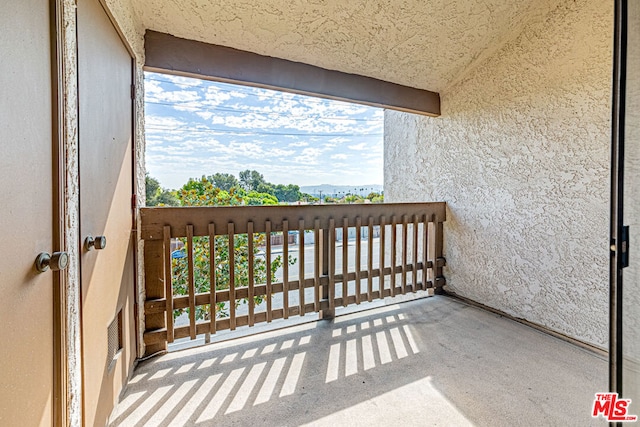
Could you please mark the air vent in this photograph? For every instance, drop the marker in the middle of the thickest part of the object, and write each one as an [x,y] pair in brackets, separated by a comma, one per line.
[114,343]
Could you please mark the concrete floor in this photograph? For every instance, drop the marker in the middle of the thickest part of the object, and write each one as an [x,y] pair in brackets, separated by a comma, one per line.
[429,362]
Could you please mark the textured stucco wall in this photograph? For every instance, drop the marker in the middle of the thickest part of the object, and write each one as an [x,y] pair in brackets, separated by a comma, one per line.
[73,350]
[521,156]
[419,43]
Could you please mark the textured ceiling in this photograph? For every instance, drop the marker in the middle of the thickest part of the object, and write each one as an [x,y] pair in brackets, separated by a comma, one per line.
[425,44]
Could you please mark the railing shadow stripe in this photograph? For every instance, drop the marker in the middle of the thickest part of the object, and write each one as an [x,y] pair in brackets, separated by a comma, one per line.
[210,386]
[250,382]
[269,384]
[146,406]
[163,412]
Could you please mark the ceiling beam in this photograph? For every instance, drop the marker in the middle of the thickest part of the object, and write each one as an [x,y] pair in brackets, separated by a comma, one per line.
[168,54]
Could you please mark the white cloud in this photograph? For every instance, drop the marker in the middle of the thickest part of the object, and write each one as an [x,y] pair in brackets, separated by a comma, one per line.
[358,147]
[163,121]
[213,127]
[206,115]
[309,156]
[216,96]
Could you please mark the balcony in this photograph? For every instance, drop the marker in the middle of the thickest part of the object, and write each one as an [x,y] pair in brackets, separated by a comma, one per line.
[384,354]
[433,361]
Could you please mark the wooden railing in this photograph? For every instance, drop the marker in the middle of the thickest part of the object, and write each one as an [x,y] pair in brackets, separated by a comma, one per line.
[406,256]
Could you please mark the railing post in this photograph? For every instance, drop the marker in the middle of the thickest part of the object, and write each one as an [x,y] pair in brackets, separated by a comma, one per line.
[154,289]
[324,268]
[439,260]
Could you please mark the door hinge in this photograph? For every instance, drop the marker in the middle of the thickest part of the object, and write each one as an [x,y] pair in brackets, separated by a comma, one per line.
[134,201]
[133,92]
[624,246]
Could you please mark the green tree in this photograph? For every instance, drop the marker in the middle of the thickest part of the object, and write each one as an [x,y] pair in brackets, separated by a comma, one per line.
[203,193]
[152,187]
[353,198]
[287,193]
[308,197]
[376,197]
[251,179]
[201,256]
[224,181]
[158,196]
[265,187]
[253,198]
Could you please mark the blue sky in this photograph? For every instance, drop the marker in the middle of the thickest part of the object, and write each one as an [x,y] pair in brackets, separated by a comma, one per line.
[196,128]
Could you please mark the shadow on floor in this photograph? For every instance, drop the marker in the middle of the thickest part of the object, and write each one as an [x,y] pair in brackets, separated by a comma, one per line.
[428,362]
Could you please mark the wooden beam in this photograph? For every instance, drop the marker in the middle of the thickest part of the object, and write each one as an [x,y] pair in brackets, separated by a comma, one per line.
[168,54]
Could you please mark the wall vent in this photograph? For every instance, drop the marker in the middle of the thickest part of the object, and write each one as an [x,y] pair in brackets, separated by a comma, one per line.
[114,342]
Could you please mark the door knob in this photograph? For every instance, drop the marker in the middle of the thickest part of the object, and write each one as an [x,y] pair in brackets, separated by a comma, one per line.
[98,242]
[56,261]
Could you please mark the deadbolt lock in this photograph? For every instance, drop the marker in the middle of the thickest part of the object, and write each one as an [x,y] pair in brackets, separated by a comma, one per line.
[56,261]
[98,242]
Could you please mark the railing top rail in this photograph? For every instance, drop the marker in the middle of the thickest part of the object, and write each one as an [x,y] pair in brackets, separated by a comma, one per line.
[154,219]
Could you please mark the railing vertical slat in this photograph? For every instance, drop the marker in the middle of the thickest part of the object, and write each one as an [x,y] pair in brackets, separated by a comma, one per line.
[394,242]
[191,283]
[415,253]
[332,266]
[382,250]
[316,267]
[370,261]
[267,233]
[285,268]
[358,257]
[404,254]
[432,249]
[154,262]
[324,269]
[301,265]
[345,261]
[425,252]
[232,276]
[437,267]
[212,278]
[250,258]
[168,280]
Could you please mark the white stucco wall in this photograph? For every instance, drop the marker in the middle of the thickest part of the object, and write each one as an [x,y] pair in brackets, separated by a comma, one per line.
[521,156]
[384,39]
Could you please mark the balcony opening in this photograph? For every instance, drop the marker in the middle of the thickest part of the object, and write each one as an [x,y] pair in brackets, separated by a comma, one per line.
[212,144]
[296,148]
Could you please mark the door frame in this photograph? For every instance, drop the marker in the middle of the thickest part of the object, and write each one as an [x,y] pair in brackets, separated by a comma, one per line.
[617,196]
[66,405]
